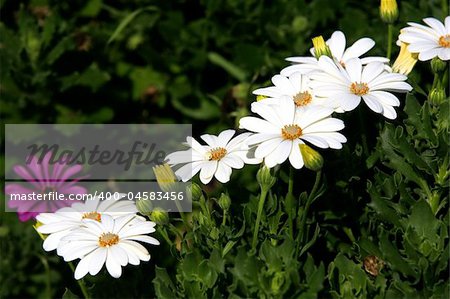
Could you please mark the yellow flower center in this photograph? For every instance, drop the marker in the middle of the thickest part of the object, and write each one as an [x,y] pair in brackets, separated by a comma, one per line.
[359,89]
[291,132]
[108,239]
[302,99]
[217,153]
[444,41]
[92,215]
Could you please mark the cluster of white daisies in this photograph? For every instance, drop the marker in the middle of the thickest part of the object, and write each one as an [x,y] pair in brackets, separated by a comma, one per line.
[298,107]
[98,232]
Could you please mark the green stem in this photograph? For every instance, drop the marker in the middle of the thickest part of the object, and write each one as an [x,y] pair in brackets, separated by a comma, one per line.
[164,234]
[182,215]
[262,199]
[80,283]
[224,218]
[389,45]
[445,10]
[290,201]
[309,200]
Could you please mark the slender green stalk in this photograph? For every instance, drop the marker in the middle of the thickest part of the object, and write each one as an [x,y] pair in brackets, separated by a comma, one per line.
[262,199]
[224,218]
[445,10]
[389,45]
[182,215]
[290,202]
[80,283]
[164,234]
[309,200]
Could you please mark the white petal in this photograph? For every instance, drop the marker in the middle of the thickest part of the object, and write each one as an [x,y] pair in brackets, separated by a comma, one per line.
[137,248]
[223,172]
[143,238]
[337,44]
[436,25]
[97,261]
[207,171]
[429,54]
[82,268]
[233,161]
[386,98]
[350,102]
[354,68]
[372,102]
[326,125]
[257,125]
[268,113]
[371,71]
[225,137]
[389,112]
[359,48]
[295,157]
[52,240]
[189,170]
[113,266]
[133,258]
[267,147]
[119,254]
[283,84]
[283,151]
[316,140]
[211,140]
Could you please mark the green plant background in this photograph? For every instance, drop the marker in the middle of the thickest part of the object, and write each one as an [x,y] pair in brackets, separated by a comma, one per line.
[197,62]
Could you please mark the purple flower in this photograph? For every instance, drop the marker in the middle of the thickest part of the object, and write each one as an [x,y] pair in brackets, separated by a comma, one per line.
[43,177]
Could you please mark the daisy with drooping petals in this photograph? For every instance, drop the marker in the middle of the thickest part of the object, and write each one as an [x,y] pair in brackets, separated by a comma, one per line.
[283,128]
[429,42]
[111,242]
[337,44]
[60,223]
[296,87]
[371,82]
[216,159]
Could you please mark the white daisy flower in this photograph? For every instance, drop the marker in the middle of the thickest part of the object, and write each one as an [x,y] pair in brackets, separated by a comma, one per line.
[371,82]
[60,223]
[430,41]
[216,159]
[296,87]
[337,44]
[283,128]
[111,241]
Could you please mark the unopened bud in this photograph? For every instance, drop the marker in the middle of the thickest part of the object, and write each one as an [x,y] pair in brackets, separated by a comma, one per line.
[144,207]
[321,48]
[312,159]
[389,11]
[159,216]
[165,177]
[195,191]
[224,202]
[437,96]
[437,65]
[265,178]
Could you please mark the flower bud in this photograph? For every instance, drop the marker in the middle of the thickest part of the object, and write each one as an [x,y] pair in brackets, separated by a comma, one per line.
[437,65]
[405,60]
[321,48]
[265,179]
[312,159]
[224,202]
[159,216]
[389,11]
[195,191]
[437,96]
[165,177]
[144,207]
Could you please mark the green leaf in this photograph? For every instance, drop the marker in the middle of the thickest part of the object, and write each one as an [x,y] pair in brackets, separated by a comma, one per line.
[92,77]
[163,284]
[128,19]
[231,69]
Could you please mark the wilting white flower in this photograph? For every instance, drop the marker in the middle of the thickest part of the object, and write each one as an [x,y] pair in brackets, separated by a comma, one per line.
[63,221]
[111,242]
[216,159]
[371,82]
[296,87]
[430,41]
[283,128]
[337,44]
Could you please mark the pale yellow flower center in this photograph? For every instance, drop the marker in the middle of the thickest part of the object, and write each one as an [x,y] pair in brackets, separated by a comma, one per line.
[92,215]
[302,99]
[108,239]
[444,41]
[217,153]
[291,132]
[359,89]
